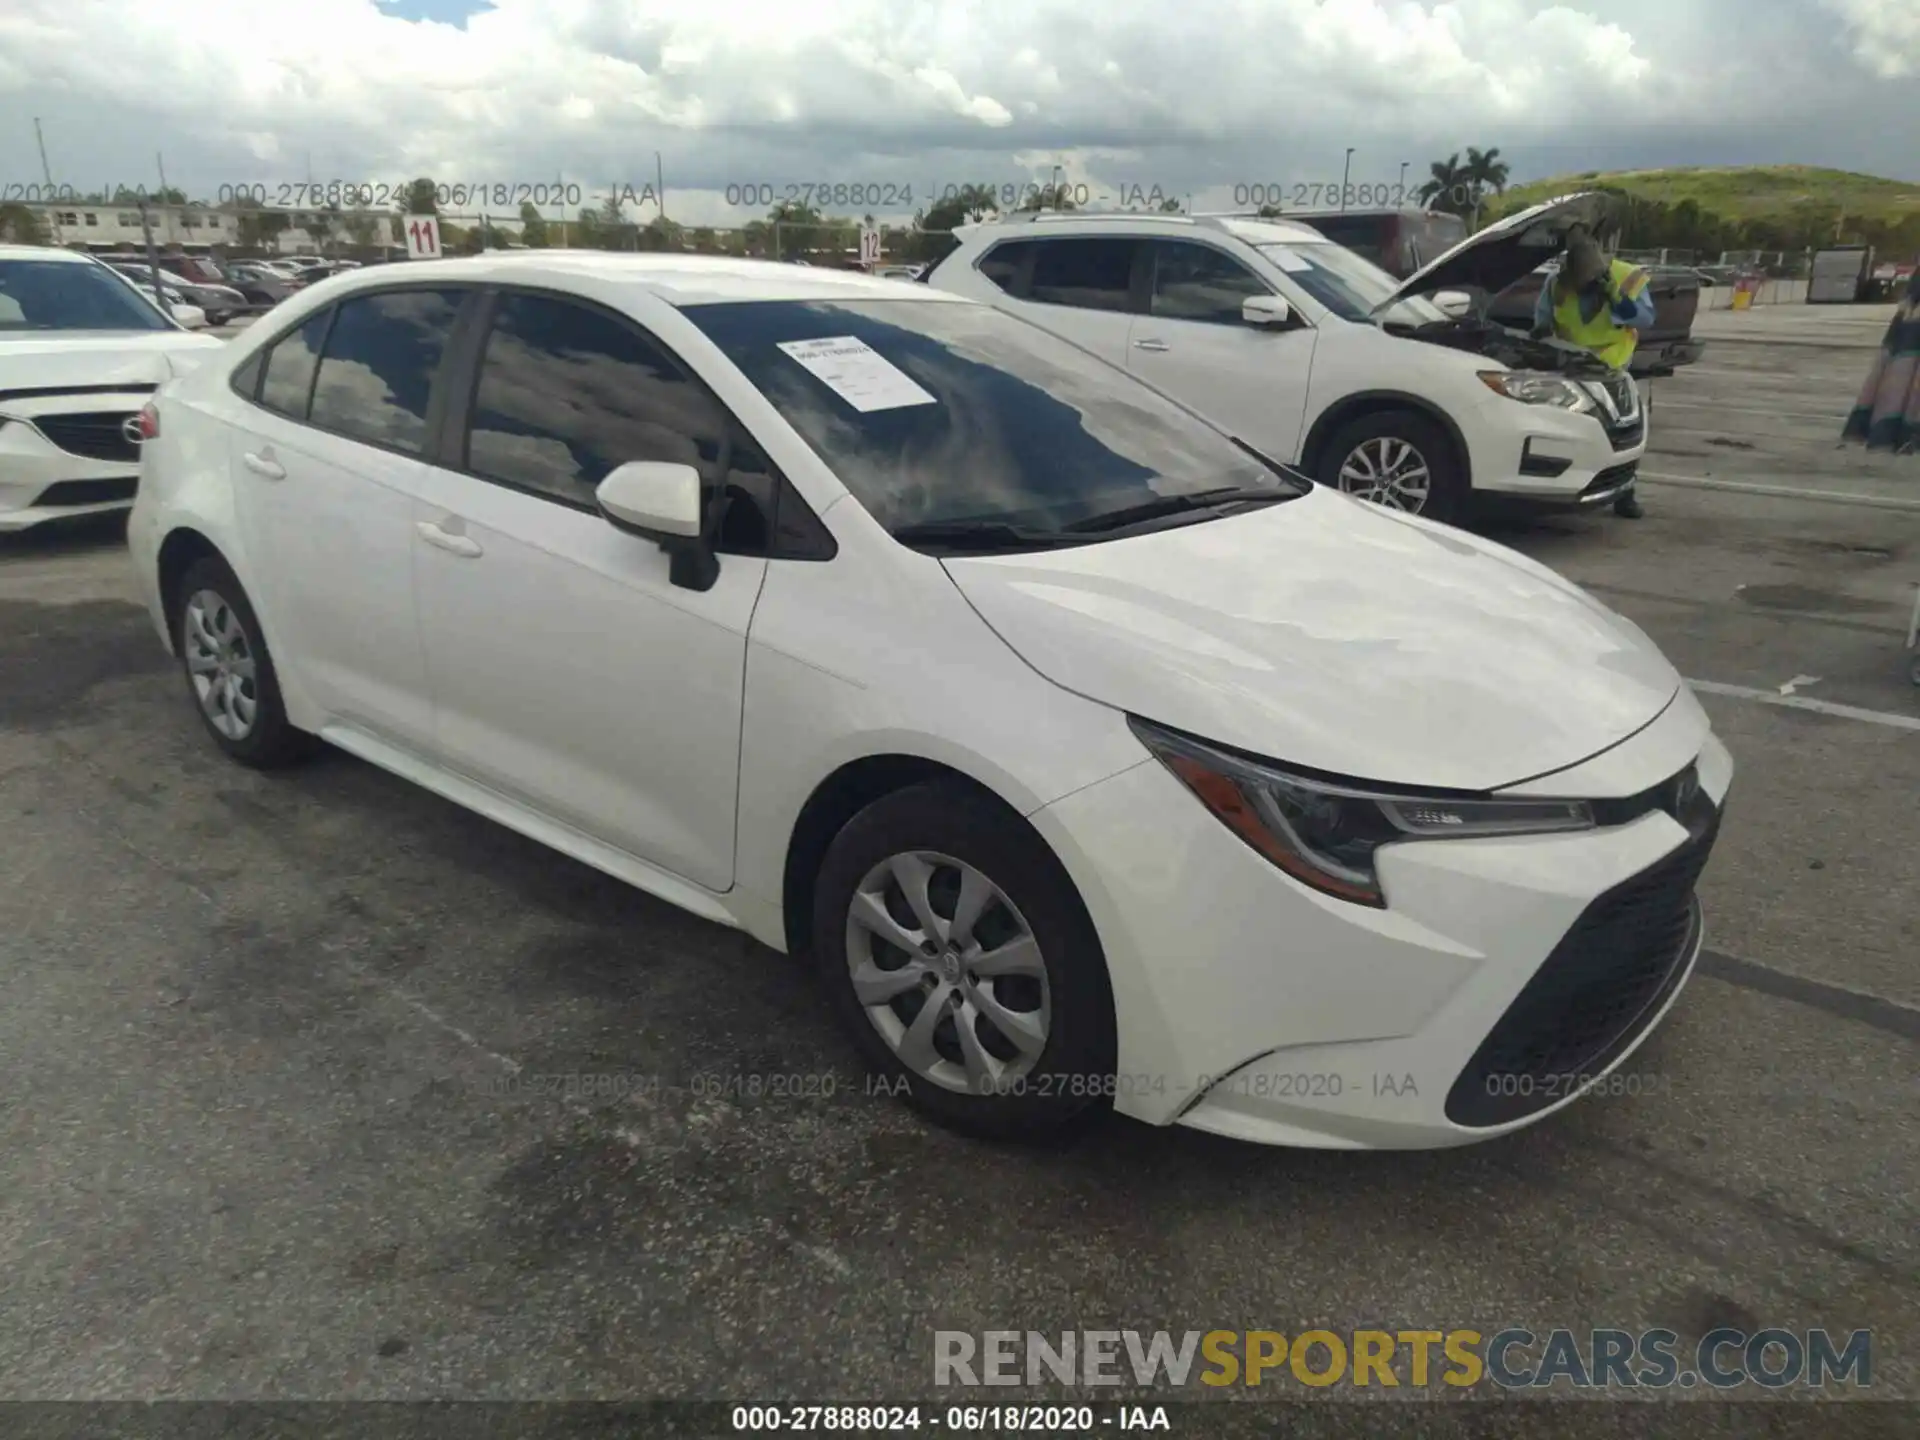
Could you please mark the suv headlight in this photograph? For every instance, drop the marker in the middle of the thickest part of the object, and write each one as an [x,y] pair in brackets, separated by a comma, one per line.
[1538,387]
[1325,833]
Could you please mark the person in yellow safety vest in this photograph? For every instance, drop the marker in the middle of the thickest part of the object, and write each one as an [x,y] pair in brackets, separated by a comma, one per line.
[1600,305]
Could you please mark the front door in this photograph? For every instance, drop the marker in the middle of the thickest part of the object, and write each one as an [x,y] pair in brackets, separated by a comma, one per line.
[1249,380]
[568,672]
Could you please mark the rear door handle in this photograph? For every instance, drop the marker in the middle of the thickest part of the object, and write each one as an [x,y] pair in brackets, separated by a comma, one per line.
[264,465]
[464,546]
[1151,345]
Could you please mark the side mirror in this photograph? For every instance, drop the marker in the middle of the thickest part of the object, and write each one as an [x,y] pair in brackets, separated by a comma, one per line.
[1453,303]
[1265,310]
[660,501]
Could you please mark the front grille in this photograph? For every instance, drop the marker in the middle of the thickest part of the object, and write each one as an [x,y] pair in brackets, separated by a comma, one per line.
[1610,478]
[89,492]
[1597,991]
[94,434]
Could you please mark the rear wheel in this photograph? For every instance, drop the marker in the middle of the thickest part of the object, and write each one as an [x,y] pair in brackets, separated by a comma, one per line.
[1399,459]
[961,961]
[229,674]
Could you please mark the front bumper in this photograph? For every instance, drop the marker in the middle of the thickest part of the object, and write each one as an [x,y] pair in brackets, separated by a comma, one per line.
[1544,456]
[39,481]
[1251,1006]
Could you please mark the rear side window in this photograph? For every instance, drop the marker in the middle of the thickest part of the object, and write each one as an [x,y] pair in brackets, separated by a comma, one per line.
[377,373]
[1197,282]
[567,393]
[288,379]
[1004,264]
[1086,274]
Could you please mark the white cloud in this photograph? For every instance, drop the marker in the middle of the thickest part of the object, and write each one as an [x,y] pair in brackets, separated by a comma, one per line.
[1886,37]
[1195,97]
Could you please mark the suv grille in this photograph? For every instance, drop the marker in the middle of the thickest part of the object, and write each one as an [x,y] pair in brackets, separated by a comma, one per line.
[1596,992]
[94,434]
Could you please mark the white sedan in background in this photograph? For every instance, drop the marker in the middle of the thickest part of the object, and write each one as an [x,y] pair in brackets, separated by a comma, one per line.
[1093,757]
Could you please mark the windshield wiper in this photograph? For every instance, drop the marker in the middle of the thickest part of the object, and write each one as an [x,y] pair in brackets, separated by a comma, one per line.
[1299,479]
[979,535]
[1170,505]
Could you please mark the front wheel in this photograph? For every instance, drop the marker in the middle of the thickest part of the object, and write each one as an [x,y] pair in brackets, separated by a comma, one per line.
[961,961]
[1399,459]
[229,673]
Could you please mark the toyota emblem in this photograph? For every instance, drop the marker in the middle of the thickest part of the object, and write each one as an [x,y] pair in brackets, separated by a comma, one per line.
[130,430]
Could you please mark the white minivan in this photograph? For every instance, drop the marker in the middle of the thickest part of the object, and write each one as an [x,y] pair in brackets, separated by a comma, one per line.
[1403,393]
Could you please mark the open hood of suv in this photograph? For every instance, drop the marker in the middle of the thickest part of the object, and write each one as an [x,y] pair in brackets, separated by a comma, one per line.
[1494,258]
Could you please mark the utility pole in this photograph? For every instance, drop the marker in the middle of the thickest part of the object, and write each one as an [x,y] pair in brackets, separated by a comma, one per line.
[1344,173]
[153,262]
[46,172]
[166,211]
[1402,191]
[660,188]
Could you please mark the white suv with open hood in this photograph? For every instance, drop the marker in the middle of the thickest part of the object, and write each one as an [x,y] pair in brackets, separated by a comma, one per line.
[80,352]
[1398,392]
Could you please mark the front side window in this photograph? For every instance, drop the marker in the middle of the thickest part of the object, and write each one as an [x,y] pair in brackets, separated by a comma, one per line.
[567,393]
[1086,274]
[937,412]
[377,374]
[1197,282]
[287,381]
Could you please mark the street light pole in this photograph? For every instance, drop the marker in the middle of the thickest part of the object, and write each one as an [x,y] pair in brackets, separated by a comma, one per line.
[1402,191]
[660,187]
[47,171]
[1344,173]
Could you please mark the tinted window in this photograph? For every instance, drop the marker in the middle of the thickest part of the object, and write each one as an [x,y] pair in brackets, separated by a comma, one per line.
[1197,282]
[1023,426]
[379,365]
[1003,264]
[67,295]
[289,375]
[246,380]
[567,393]
[1088,274]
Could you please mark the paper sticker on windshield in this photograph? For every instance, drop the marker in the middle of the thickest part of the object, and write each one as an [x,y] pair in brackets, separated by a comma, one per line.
[857,373]
[1286,259]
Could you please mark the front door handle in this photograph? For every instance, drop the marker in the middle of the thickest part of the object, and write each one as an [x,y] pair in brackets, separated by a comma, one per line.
[1151,345]
[465,546]
[264,465]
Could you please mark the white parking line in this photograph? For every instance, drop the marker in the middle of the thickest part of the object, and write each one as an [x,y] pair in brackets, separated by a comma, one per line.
[1807,702]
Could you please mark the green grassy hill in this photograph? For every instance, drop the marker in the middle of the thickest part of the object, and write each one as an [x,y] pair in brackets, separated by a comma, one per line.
[1747,192]
[1770,206]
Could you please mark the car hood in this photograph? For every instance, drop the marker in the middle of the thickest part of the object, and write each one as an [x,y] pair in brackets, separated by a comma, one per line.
[57,359]
[1493,258]
[1332,635]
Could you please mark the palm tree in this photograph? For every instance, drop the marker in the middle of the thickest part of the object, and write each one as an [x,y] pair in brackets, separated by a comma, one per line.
[1485,171]
[1447,189]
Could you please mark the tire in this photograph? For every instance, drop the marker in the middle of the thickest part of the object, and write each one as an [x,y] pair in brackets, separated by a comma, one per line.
[1055,990]
[1374,438]
[217,637]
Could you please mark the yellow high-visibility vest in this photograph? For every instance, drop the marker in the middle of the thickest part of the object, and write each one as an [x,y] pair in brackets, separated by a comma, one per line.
[1603,335]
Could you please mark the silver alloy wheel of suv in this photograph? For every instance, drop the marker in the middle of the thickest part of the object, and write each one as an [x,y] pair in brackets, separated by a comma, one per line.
[1388,471]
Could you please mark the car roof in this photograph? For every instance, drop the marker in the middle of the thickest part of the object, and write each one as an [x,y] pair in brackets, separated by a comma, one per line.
[43,252]
[676,279]
[1253,231]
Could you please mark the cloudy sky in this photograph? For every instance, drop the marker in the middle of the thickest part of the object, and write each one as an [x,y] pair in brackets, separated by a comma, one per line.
[1198,97]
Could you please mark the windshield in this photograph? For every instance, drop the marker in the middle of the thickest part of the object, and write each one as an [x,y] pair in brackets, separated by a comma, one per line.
[939,413]
[63,295]
[1350,285]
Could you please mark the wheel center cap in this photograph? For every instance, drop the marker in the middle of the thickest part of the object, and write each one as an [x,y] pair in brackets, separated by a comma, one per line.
[949,964]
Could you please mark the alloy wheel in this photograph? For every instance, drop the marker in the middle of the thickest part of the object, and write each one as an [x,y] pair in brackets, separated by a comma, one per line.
[1388,471]
[221,664]
[949,972]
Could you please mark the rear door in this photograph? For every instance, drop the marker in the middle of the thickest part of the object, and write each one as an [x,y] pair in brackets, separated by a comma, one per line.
[326,467]
[1193,344]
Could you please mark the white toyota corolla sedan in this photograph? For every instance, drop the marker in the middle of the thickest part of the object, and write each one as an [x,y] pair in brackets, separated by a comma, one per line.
[1092,756]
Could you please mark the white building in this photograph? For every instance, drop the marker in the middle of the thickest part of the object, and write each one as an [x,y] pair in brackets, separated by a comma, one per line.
[107,226]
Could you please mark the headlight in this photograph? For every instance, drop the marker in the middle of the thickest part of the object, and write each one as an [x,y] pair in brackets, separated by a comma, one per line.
[1325,833]
[1537,387]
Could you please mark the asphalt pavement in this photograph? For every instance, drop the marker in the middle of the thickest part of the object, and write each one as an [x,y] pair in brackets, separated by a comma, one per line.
[271,1044]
